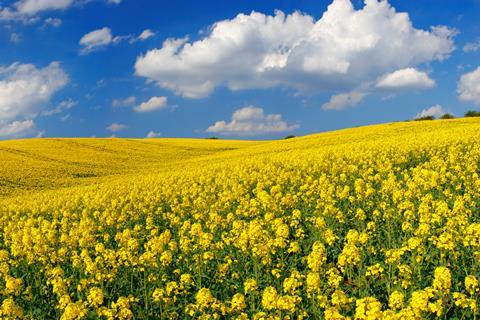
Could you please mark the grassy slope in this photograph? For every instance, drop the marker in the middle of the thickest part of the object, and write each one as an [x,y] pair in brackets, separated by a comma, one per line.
[218,197]
[41,164]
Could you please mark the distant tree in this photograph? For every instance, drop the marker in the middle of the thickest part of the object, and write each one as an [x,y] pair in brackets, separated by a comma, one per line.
[425,118]
[447,116]
[213,138]
[472,113]
[289,137]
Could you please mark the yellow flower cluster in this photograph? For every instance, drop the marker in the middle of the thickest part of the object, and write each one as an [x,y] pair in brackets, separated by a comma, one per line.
[380,222]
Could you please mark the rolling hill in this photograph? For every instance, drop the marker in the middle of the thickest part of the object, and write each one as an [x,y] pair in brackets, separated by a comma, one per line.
[373,222]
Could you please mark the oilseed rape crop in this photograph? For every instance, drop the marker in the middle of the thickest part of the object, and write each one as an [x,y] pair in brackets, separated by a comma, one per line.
[378,222]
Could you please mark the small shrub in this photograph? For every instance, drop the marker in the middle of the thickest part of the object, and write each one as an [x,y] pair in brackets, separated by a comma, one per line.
[425,118]
[213,138]
[447,116]
[289,137]
[472,113]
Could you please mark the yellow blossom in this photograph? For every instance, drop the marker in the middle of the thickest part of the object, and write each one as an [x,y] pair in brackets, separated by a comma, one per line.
[269,298]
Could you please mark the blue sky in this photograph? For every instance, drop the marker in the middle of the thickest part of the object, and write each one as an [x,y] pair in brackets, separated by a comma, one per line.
[199,68]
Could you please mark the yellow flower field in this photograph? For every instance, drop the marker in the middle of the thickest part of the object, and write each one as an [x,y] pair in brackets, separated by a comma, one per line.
[378,222]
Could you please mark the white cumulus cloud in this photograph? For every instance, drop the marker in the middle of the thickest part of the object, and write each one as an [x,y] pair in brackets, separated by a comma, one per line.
[27,11]
[40,134]
[32,7]
[15,38]
[249,121]
[472,46]
[61,107]
[129,101]
[98,39]
[25,89]
[342,49]
[147,33]
[469,87]
[153,134]
[408,78]
[54,22]
[153,104]
[115,127]
[434,111]
[16,129]
[344,100]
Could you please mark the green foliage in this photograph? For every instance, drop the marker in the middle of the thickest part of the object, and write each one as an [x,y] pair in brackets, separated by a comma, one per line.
[425,118]
[472,113]
[447,116]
